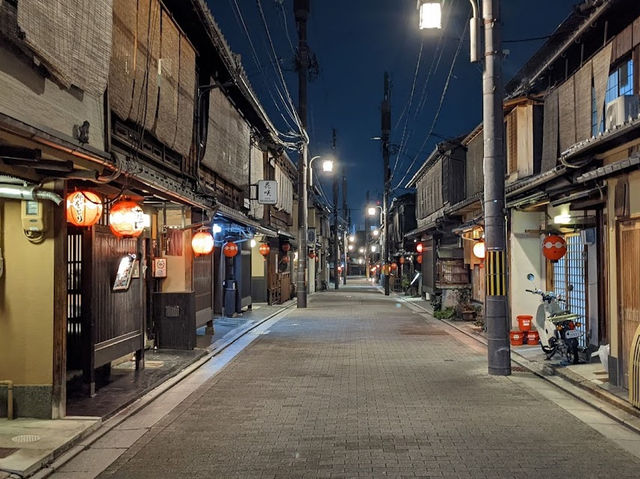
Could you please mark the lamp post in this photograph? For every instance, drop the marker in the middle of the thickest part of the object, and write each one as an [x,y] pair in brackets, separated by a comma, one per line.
[499,352]
[327,166]
[384,253]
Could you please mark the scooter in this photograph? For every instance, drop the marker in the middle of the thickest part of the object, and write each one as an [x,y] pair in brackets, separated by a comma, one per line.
[557,327]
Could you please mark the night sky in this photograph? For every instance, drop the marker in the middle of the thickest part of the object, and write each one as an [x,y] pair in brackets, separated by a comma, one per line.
[355,42]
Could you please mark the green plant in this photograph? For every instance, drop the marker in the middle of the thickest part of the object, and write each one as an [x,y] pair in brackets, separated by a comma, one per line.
[446,313]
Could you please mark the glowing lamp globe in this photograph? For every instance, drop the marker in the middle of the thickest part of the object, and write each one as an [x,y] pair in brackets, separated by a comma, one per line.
[202,243]
[264,249]
[419,247]
[479,249]
[230,249]
[84,208]
[126,219]
[419,259]
[554,247]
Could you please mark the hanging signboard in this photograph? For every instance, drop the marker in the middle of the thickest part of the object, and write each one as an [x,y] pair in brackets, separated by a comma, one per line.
[267,192]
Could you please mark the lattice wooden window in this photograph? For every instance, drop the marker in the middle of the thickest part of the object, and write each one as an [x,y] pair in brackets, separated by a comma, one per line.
[512,142]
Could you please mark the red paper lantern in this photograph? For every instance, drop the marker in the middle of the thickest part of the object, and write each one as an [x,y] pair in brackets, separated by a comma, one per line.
[202,243]
[554,247]
[419,247]
[230,249]
[401,260]
[286,247]
[126,219]
[419,259]
[84,208]
[264,249]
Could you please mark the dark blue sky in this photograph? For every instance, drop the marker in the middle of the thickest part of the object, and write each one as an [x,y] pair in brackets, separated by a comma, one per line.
[355,42]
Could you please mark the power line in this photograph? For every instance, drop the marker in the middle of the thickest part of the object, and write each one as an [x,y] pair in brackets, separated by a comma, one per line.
[442,96]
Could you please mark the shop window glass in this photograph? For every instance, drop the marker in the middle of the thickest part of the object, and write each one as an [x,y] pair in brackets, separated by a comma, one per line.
[620,83]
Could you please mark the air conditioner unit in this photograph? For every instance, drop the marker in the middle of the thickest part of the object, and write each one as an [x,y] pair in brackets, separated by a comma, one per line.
[621,110]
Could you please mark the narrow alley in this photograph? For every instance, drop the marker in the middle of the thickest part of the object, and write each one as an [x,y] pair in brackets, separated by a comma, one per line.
[358,385]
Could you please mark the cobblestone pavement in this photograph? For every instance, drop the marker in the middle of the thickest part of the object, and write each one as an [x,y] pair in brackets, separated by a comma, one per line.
[359,386]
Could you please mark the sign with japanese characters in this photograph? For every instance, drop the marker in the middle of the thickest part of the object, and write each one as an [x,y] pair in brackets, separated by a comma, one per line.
[267,192]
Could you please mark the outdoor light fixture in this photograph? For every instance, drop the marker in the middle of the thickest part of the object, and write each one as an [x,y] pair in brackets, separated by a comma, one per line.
[479,250]
[350,247]
[563,219]
[352,238]
[430,14]
[373,249]
[371,211]
[126,219]
[216,228]
[376,232]
[253,243]
[84,208]
[327,166]
[202,243]
[361,250]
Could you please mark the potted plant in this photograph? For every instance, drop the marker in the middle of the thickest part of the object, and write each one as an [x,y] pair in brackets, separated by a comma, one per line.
[465,309]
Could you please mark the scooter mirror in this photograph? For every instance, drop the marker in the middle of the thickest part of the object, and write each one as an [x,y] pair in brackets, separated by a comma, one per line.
[570,287]
[531,277]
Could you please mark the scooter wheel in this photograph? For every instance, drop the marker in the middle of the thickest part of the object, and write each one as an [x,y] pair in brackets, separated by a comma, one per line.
[572,351]
[549,351]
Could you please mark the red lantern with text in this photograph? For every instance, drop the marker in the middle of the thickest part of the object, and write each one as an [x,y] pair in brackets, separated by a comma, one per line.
[419,259]
[202,243]
[126,219]
[419,247]
[401,260]
[286,247]
[230,249]
[264,249]
[554,247]
[84,208]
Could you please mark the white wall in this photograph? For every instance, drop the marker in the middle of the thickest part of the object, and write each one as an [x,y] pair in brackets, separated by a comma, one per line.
[526,257]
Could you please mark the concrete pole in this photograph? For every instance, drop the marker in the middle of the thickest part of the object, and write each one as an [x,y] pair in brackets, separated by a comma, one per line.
[345,212]
[366,237]
[301,11]
[336,244]
[386,132]
[499,353]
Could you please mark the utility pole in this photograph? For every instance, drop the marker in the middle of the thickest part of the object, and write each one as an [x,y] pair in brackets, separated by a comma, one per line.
[336,245]
[366,238]
[386,132]
[301,11]
[345,212]
[499,353]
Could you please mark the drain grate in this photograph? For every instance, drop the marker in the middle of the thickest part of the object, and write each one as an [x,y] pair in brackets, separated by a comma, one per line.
[25,438]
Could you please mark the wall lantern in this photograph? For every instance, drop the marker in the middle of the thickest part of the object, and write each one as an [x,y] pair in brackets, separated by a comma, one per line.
[126,219]
[554,247]
[430,14]
[419,247]
[202,243]
[479,249]
[286,247]
[230,249]
[264,249]
[419,259]
[84,208]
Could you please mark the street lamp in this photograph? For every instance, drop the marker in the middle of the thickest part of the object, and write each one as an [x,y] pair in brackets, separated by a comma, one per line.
[430,14]
[498,350]
[376,232]
[352,238]
[327,166]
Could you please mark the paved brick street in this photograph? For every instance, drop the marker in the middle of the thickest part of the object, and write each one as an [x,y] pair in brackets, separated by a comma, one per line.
[360,386]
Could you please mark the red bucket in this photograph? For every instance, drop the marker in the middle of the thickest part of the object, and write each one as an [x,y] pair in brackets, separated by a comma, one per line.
[516,337]
[524,322]
[533,337]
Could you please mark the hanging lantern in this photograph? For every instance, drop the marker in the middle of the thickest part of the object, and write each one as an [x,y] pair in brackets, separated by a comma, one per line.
[286,247]
[401,260]
[126,219]
[419,259]
[479,249]
[419,247]
[84,208]
[285,259]
[554,247]
[202,243]
[230,249]
[264,249]
[312,254]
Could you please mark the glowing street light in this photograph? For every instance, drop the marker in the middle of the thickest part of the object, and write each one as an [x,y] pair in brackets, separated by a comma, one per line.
[327,167]
[376,232]
[430,14]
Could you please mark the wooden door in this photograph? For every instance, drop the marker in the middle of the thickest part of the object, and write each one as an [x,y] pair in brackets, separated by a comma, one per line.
[628,289]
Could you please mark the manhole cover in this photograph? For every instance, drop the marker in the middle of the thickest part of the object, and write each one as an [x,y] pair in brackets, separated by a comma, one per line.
[23,438]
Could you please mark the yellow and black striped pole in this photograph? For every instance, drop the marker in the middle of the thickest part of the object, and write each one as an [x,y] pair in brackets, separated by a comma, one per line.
[496,267]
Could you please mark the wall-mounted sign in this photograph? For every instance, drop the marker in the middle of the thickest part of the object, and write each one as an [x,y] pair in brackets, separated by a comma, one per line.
[160,267]
[267,192]
[125,271]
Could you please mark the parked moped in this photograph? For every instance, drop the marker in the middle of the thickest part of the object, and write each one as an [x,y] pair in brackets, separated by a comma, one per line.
[556,326]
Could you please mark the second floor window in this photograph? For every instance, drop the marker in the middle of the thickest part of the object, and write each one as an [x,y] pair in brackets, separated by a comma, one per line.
[620,83]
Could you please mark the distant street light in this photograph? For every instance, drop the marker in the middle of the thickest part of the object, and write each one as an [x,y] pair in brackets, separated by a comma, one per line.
[352,238]
[327,166]
[376,232]
[361,250]
[374,248]
[351,247]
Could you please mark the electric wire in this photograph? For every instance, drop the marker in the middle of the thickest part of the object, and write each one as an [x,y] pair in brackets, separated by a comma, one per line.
[437,115]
